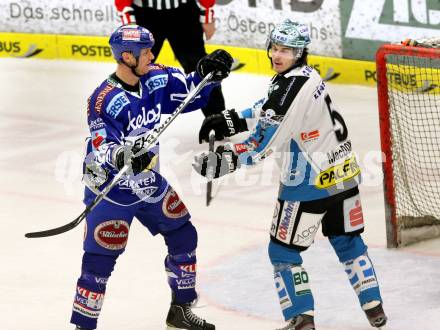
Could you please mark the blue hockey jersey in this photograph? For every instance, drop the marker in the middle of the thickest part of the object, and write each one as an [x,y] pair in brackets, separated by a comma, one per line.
[117,116]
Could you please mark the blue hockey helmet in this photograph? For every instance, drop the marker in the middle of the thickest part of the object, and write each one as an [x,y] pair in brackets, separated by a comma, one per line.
[130,38]
[290,34]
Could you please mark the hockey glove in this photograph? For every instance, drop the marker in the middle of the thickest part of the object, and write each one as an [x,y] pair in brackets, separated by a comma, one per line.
[213,165]
[219,62]
[225,124]
[138,158]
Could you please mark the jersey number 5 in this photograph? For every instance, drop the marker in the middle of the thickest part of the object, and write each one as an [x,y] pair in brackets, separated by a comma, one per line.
[341,133]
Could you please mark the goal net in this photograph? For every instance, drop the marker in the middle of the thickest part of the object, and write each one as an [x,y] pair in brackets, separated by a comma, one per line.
[408,78]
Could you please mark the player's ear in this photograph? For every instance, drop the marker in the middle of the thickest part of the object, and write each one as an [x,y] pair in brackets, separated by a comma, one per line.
[126,56]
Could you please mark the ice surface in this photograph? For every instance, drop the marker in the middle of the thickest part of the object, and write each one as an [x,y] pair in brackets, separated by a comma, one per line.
[42,129]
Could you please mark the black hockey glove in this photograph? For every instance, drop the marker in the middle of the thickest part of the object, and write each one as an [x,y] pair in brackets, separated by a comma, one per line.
[213,165]
[219,62]
[225,124]
[138,158]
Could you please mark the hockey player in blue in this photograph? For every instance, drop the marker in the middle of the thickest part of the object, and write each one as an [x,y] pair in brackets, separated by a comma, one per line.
[127,105]
[318,181]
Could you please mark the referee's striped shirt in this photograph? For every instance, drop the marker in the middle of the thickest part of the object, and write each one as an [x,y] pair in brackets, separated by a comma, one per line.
[159,4]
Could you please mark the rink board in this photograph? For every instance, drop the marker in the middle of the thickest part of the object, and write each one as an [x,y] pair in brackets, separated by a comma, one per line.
[94,48]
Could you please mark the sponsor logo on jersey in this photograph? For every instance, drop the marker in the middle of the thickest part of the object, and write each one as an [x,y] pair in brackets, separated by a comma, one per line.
[341,152]
[251,145]
[318,91]
[306,71]
[172,206]
[143,184]
[310,136]
[101,96]
[337,174]
[96,124]
[156,82]
[116,104]
[112,234]
[142,120]
[98,137]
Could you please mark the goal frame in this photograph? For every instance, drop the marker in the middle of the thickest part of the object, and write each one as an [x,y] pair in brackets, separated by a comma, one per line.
[392,230]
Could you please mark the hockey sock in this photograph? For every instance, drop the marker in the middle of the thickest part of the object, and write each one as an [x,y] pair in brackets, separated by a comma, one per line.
[292,284]
[90,291]
[291,281]
[181,271]
[352,253]
[362,277]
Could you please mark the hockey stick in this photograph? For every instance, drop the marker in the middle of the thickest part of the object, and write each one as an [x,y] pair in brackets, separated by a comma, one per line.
[209,184]
[150,140]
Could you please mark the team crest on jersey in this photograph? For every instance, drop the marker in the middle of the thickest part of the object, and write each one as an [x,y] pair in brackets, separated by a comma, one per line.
[112,234]
[172,206]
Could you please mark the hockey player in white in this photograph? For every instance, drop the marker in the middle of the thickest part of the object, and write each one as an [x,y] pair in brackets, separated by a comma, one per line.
[300,125]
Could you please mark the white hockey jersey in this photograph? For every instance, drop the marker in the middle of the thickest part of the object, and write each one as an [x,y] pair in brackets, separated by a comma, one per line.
[299,124]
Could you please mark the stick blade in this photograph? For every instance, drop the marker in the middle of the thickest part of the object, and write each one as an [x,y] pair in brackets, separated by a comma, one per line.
[58,230]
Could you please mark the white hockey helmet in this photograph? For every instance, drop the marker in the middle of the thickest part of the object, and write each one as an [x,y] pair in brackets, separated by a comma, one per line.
[290,34]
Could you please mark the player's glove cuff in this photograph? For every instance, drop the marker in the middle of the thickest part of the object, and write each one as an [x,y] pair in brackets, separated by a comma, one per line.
[127,16]
[225,124]
[139,159]
[219,62]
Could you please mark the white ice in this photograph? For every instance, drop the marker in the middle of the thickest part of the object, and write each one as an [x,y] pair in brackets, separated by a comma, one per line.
[42,131]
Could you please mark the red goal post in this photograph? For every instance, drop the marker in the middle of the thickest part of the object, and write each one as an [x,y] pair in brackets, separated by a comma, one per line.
[408,86]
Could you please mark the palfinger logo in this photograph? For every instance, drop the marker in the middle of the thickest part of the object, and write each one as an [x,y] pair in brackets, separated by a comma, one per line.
[337,174]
